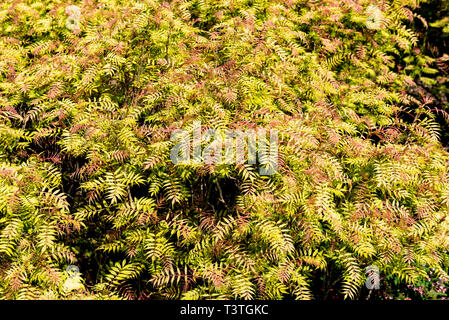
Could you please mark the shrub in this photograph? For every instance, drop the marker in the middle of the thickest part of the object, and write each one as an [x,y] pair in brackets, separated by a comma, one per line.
[88,105]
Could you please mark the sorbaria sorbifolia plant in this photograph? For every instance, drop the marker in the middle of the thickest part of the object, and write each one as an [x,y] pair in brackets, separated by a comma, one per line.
[90,92]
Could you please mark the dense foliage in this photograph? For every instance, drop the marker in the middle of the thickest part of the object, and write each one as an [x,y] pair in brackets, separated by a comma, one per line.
[89,99]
